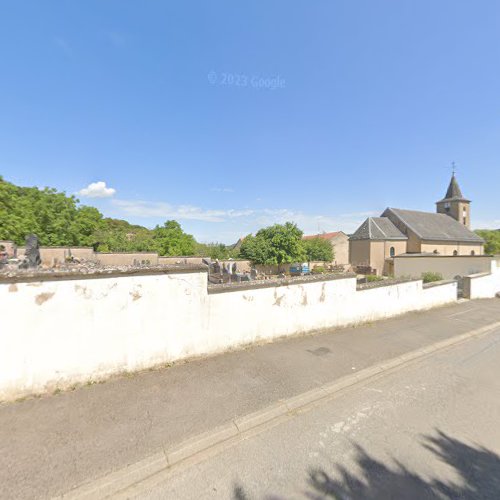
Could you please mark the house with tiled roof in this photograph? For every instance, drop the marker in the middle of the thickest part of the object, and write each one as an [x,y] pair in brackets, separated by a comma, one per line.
[340,244]
[398,231]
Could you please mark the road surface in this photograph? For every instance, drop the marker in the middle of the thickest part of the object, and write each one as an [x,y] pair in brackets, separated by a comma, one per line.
[429,430]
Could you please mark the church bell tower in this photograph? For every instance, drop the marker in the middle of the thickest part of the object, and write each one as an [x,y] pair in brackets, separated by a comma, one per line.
[454,204]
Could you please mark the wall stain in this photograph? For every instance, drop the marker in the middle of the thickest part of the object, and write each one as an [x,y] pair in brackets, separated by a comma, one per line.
[12,287]
[322,297]
[43,297]
[135,295]
[277,300]
[248,297]
[83,291]
[304,298]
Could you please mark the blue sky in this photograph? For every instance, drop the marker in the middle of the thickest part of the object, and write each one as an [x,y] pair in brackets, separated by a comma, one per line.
[228,116]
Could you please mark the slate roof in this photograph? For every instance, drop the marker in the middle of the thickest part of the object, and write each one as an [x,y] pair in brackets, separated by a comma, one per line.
[432,226]
[454,192]
[378,228]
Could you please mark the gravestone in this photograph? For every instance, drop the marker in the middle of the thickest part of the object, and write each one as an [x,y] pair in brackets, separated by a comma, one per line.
[32,254]
[3,256]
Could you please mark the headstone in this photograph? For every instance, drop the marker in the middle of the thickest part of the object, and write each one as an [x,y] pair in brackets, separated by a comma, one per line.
[253,273]
[3,256]
[32,254]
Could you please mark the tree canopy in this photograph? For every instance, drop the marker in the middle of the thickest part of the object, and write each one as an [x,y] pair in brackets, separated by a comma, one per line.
[492,241]
[277,244]
[318,249]
[170,239]
[54,217]
[59,220]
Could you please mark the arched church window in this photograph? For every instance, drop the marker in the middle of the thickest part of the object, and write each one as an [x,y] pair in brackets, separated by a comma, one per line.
[392,252]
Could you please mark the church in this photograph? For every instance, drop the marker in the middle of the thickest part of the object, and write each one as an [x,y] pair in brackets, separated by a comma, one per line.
[398,231]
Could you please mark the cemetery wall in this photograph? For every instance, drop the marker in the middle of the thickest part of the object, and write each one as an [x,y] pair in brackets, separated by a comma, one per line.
[59,331]
[483,285]
[126,258]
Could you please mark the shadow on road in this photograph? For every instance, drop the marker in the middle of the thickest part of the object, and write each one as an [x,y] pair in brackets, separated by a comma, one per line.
[477,467]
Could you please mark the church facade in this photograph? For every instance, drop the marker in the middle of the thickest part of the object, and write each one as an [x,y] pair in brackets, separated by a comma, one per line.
[398,231]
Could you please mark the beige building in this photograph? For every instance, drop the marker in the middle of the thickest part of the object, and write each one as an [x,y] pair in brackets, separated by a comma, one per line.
[340,244]
[398,232]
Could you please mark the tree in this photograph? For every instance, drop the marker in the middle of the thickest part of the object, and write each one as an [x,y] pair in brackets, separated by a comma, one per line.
[170,239]
[318,249]
[492,241]
[277,244]
[86,225]
[216,251]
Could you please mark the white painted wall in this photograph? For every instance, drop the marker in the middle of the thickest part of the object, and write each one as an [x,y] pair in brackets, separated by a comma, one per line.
[57,333]
[483,286]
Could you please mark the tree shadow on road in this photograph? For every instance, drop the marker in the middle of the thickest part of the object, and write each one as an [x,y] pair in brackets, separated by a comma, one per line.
[477,468]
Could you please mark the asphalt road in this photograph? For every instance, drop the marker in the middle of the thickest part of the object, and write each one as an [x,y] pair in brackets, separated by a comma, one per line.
[428,430]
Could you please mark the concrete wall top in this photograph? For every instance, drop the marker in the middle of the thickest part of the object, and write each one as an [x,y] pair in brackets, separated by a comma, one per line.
[39,276]
[433,284]
[382,283]
[436,256]
[253,285]
[125,253]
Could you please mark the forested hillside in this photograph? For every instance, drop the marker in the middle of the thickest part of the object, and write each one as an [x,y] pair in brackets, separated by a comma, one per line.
[60,220]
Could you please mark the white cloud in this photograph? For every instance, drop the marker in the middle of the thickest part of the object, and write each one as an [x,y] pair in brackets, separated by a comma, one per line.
[241,221]
[182,212]
[487,224]
[97,190]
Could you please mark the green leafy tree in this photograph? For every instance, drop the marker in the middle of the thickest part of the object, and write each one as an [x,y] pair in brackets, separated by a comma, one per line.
[86,225]
[115,235]
[47,213]
[216,251]
[277,244]
[170,239]
[492,241]
[318,249]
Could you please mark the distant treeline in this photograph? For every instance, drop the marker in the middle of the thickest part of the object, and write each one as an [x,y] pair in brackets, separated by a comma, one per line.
[60,220]
[492,240]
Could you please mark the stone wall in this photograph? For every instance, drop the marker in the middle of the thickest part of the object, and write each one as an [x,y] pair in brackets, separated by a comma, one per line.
[53,255]
[127,258]
[60,330]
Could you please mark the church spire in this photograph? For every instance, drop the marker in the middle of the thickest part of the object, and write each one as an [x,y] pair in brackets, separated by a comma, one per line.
[454,191]
[454,204]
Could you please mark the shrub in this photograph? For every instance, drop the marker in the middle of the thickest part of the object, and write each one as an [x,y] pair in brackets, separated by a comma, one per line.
[373,277]
[430,276]
[318,270]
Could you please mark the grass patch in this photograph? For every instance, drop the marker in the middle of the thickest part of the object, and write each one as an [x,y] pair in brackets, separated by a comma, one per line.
[430,277]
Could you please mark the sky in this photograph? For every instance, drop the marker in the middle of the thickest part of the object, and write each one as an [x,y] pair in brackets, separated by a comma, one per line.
[230,116]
